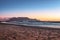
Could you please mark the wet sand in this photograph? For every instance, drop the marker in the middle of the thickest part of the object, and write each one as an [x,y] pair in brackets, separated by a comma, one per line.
[14,32]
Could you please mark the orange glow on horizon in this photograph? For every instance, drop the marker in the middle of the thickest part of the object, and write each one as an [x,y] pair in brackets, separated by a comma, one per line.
[42,18]
[48,19]
[45,18]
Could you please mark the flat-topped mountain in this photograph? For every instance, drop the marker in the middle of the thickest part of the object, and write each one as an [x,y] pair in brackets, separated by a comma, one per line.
[21,19]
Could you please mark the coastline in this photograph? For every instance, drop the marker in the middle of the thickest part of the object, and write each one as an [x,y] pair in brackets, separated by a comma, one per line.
[20,32]
[42,27]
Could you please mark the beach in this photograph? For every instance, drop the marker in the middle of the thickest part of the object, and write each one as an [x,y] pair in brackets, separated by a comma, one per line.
[16,32]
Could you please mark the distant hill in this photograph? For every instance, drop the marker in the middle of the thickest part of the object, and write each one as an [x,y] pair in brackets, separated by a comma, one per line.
[22,19]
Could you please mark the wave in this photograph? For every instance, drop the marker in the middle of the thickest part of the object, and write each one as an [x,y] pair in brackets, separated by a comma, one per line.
[38,24]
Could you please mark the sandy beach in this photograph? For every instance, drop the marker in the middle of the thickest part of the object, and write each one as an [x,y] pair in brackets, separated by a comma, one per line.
[14,32]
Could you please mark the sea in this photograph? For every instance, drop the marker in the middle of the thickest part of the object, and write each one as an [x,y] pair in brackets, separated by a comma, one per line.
[36,24]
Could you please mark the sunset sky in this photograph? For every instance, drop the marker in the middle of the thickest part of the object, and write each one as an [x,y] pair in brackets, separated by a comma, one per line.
[47,10]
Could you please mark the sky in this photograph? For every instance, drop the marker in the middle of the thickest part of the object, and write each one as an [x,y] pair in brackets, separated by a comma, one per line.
[46,10]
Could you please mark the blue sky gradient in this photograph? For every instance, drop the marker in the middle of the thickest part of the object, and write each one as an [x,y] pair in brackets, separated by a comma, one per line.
[30,8]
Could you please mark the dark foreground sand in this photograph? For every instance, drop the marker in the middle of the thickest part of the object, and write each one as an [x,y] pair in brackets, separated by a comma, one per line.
[13,32]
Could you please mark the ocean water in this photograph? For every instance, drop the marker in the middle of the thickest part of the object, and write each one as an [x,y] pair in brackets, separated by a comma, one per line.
[36,24]
[42,24]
